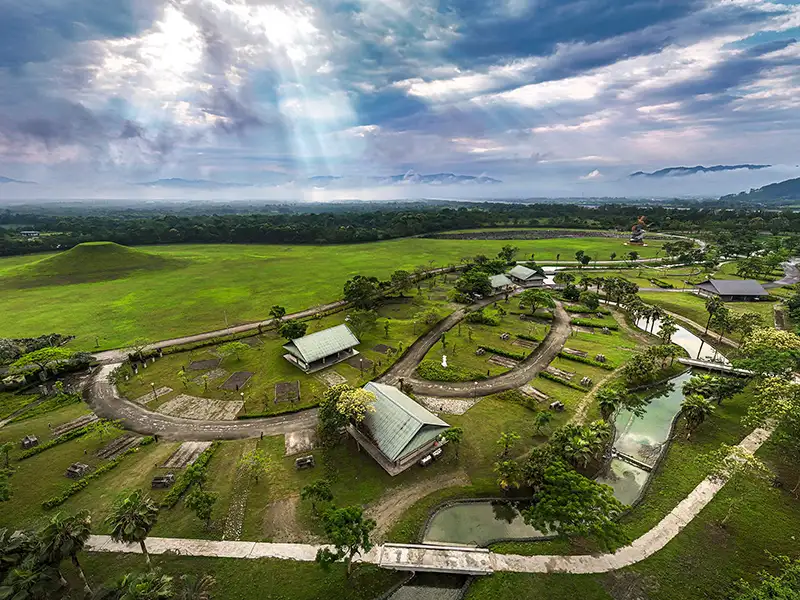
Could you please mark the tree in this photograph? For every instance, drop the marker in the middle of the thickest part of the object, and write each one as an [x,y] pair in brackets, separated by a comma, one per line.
[784,586]
[43,358]
[402,281]
[5,449]
[138,346]
[104,429]
[590,300]
[579,257]
[713,304]
[696,410]
[132,517]
[567,504]
[613,256]
[360,321]
[317,491]
[563,278]
[291,329]
[533,299]
[541,419]
[277,312]
[508,474]
[362,292]
[770,352]
[713,387]
[63,537]
[453,435]
[428,317]
[506,441]
[668,328]
[5,486]
[474,281]
[233,349]
[152,585]
[348,531]
[195,475]
[507,253]
[331,421]
[255,463]
[202,504]
[580,444]
[354,404]
[609,399]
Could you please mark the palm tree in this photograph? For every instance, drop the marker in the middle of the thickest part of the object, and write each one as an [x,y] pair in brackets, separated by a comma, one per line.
[608,399]
[196,588]
[5,449]
[667,329]
[152,585]
[696,410]
[132,518]
[713,304]
[64,536]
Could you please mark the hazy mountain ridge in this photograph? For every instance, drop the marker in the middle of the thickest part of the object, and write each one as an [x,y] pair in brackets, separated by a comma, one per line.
[686,171]
[783,191]
[19,181]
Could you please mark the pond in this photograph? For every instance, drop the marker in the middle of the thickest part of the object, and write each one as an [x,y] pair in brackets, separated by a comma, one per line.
[643,439]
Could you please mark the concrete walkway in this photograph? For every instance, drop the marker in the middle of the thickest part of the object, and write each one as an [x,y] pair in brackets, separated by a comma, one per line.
[440,559]
[526,370]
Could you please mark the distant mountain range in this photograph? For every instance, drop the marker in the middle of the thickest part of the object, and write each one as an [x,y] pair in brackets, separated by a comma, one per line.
[775,193]
[408,178]
[199,184]
[685,171]
[9,180]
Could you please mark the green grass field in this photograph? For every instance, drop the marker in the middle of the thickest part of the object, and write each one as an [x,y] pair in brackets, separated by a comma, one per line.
[203,287]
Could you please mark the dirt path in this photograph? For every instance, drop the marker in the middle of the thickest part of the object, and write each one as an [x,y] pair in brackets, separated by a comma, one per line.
[391,506]
[280,521]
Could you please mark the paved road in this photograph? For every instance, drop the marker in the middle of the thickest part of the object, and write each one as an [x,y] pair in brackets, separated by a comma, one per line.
[520,375]
[106,401]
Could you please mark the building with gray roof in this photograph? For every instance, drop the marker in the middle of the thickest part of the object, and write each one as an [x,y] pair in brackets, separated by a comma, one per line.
[526,276]
[500,283]
[398,432]
[316,351]
[732,290]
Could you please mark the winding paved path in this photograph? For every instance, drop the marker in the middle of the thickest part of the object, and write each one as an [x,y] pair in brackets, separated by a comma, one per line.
[518,376]
[643,547]
[106,401]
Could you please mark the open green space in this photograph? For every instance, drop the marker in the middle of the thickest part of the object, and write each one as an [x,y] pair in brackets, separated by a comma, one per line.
[206,287]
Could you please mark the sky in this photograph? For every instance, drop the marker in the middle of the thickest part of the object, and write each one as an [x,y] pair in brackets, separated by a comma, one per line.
[552,97]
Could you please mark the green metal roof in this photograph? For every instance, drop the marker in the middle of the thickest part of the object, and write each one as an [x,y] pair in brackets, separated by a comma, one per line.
[499,281]
[316,346]
[524,273]
[399,425]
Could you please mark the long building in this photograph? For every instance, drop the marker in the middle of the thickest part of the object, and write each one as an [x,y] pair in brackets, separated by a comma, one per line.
[322,349]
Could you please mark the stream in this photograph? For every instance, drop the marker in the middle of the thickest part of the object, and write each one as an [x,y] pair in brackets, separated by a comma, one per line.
[638,444]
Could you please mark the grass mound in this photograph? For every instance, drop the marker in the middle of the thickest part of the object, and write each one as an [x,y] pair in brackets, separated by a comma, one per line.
[87,262]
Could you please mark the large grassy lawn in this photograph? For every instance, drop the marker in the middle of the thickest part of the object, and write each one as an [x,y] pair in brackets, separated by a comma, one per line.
[207,286]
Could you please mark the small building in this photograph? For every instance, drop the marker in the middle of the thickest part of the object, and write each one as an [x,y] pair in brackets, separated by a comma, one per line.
[399,431]
[322,349]
[528,277]
[500,283]
[29,234]
[732,290]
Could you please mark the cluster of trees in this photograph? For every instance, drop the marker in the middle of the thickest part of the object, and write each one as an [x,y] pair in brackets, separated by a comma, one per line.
[12,349]
[323,224]
[30,568]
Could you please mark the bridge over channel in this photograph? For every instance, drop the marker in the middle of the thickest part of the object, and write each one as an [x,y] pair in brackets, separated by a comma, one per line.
[460,560]
[711,365]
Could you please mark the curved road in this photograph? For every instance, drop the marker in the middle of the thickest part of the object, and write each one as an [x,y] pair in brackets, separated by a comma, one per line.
[520,375]
[104,398]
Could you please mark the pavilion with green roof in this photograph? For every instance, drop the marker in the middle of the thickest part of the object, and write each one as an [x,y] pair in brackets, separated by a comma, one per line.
[322,349]
[398,432]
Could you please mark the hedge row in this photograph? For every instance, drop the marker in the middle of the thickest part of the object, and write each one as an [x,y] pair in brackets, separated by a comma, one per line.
[49,405]
[597,324]
[289,410]
[579,308]
[545,316]
[84,481]
[586,360]
[433,371]
[552,377]
[530,338]
[70,435]
[506,353]
[183,483]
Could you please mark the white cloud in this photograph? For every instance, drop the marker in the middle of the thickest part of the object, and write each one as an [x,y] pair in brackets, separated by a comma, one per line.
[592,175]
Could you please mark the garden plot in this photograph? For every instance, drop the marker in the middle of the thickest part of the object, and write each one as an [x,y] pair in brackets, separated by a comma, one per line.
[204,365]
[582,329]
[212,375]
[331,378]
[185,455]
[287,391]
[573,352]
[116,447]
[74,424]
[450,406]
[359,362]
[144,399]
[236,381]
[532,392]
[503,361]
[559,373]
[527,344]
[203,409]
[253,342]
[384,349]
[297,442]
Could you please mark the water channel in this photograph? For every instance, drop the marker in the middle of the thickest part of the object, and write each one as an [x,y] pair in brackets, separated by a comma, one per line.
[640,440]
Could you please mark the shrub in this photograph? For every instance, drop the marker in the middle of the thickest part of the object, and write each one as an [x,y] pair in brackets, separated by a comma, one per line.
[587,361]
[84,481]
[524,336]
[594,323]
[662,284]
[551,377]
[518,397]
[183,482]
[580,308]
[481,316]
[506,353]
[70,435]
[433,371]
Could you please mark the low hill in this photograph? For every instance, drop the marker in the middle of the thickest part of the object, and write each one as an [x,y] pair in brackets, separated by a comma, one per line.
[90,261]
[784,192]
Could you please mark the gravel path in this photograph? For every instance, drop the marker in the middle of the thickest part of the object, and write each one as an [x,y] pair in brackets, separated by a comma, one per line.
[106,401]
